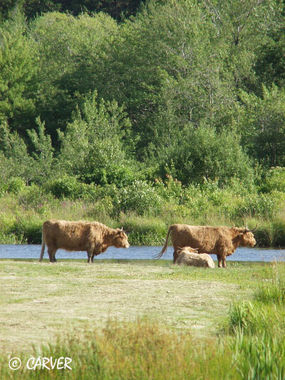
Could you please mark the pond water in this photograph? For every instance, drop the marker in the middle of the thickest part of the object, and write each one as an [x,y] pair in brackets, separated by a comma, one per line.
[140,253]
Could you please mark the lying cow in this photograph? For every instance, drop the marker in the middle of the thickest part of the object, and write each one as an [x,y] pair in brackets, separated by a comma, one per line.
[221,241]
[92,237]
[189,256]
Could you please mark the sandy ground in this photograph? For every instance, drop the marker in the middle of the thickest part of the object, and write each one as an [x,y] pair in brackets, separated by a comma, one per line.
[40,301]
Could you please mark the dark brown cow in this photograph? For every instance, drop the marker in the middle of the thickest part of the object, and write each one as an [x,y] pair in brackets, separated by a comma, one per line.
[92,237]
[221,241]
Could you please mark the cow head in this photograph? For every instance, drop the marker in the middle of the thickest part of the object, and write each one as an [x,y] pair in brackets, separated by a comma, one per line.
[246,238]
[120,239]
[187,249]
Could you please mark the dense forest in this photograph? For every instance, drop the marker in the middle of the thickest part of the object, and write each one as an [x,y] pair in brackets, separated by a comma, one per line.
[138,103]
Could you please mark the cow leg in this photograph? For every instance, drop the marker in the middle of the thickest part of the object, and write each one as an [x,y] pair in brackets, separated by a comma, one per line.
[219,261]
[175,257]
[51,254]
[224,262]
[89,259]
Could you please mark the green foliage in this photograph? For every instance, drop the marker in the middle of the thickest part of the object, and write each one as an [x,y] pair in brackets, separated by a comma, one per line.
[270,64]
[32,8]
[204,154]
[43,153]
[32,197]
[141,198]
[258,330]
[69,187]
[242,316]
[177,112]
[17,74]
[71,52]
[278,227]
[27,231]
[263,123]
[14,158]
[272,292]
[144,230]
[274,180]
[93,143]
[259,357]
[15,185]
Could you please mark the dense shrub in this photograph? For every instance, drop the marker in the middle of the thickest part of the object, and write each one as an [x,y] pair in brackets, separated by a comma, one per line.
[275,180]
[69,187]
[33,197]
[141,198]
[27,230]
[15,185]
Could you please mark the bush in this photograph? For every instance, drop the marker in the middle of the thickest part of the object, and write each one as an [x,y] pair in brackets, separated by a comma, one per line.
[264,235]
[203,154]
[144,231]
[15,185]
[141,198]
[33,197]
[279,233]
[27,230]
[275,180]
[69,187]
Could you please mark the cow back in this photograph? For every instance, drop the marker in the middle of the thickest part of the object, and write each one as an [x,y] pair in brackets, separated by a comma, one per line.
[71,236]
[206,239]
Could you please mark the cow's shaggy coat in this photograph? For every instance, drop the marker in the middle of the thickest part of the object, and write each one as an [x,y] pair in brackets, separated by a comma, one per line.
[221,241]
[189,256]
[92,237]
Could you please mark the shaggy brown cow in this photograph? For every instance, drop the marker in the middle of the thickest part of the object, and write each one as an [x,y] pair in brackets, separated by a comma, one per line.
[221,241]
[92,237]
[189,256]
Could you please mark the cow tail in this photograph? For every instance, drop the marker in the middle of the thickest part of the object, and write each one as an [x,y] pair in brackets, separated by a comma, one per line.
[43,247]
[159,255]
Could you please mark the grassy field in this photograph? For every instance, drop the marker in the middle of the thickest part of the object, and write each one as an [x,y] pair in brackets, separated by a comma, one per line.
[142,319]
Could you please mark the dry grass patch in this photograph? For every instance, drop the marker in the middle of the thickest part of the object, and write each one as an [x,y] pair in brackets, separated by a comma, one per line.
[40,301]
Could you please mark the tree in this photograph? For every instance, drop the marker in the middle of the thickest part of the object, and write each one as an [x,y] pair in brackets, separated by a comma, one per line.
[270,63]
[35,164]
[203,154]
[245,26]
[5,8]
[92,147]
[263,122]
[70,52]
[18,70]
[169,44]
[118,9]
[14,158]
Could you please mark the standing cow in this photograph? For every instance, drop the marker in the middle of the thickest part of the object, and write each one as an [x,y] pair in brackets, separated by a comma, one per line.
[221,241]
[92,237]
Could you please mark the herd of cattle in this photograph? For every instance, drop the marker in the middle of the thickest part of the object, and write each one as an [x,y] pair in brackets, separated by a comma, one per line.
[192,244]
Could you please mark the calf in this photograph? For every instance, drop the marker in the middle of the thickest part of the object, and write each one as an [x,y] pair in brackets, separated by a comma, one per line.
[189,256]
